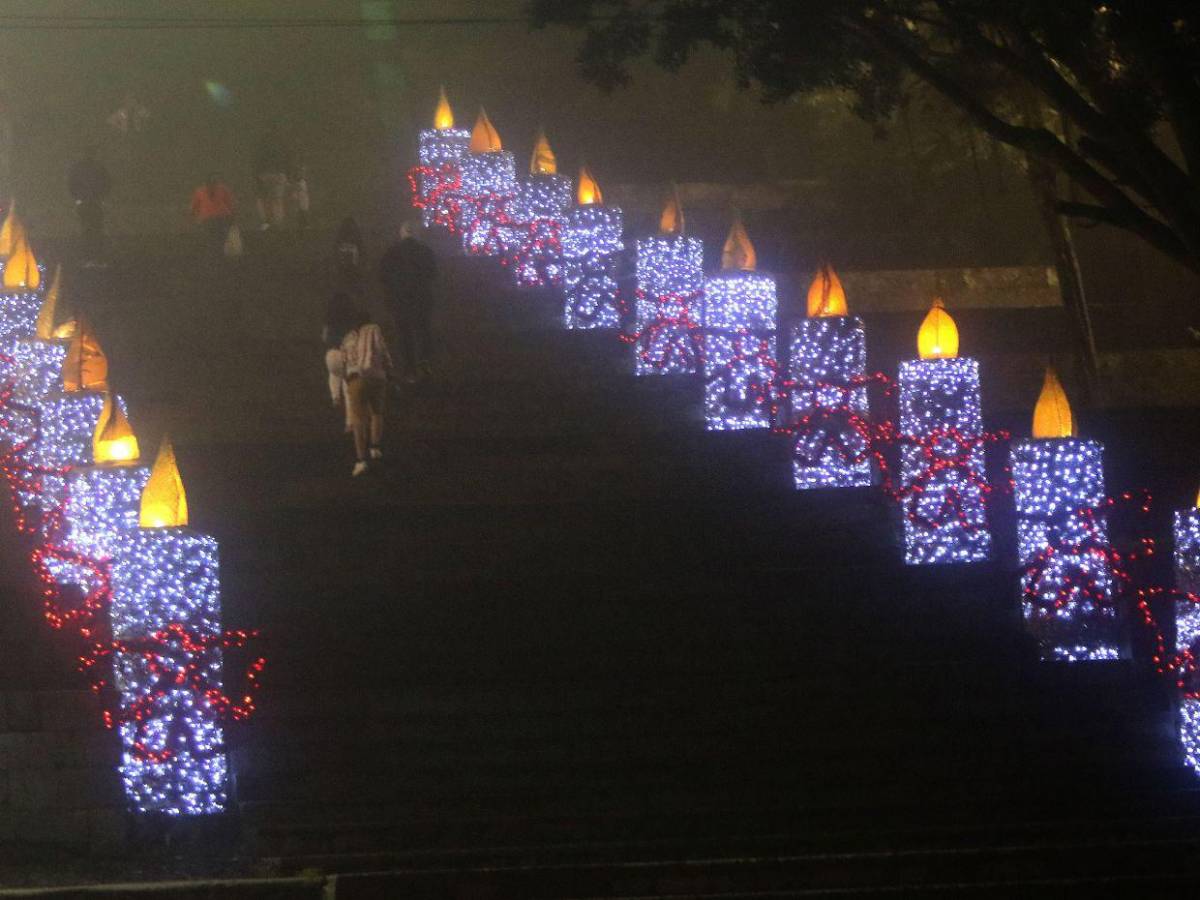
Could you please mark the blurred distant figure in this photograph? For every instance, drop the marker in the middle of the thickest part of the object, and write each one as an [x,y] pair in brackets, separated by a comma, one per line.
[213,208]
[130,116]
[408,269]
[367,364]
[340,318]
[349,255]
[298,185]
[270,179]
[89,184]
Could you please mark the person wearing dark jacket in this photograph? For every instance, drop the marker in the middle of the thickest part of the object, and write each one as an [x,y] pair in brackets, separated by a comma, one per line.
[349,255]
[270,179]
[89,184]
[408,269]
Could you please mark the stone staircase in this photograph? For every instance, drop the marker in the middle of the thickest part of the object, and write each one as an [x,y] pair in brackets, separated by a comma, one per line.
[566,644]
[602,624]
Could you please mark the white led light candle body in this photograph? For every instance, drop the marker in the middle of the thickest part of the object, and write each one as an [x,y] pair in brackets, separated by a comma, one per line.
[440,150]
[37,367]
[489,185]
[18,319]
[174,760]
[591,239]
[35,372]
[99,505]
[825,355]
[1187,557]
[1189,730]
[102,504]
[670,280]
[943,474]
[739,350]
[1062,541]
[65,425]
[1187,627]
[534,237]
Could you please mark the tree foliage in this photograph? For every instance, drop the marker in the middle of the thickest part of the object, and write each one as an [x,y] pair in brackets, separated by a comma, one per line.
[1103,92]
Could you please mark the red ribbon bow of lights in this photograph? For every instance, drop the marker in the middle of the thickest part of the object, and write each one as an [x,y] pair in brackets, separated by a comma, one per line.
[948,466]
[830,425]
[438,189]
[739,393]
[673,342]
[536,257]
[484,220]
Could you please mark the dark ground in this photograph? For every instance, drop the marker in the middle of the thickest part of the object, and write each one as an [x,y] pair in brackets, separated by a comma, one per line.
[563,616]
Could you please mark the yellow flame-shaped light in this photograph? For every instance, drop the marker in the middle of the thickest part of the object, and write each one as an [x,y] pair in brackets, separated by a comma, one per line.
[543,160]
[1052,415]
[49,308]
[826,296]
[48,326]
[484,137]
[113,441]
[85,367]
[671,220]
[738,252]
[588,191]
[164,503]
[10,231]
[443,116]
[21,268]
[937,337]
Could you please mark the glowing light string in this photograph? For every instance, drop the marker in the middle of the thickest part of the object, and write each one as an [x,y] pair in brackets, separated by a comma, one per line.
[169,679]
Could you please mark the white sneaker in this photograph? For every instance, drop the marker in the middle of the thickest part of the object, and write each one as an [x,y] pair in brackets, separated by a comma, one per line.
[360,468]
[376,453]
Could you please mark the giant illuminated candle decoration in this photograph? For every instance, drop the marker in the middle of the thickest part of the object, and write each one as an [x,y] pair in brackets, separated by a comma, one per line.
[165,617]
[99,502]
[489,184]
[538,213]
[943,480]
[441,150]
[65,428]
[1187,626]
[827,360]
[739,339]
[591,240]
[1062,535]
[670,288]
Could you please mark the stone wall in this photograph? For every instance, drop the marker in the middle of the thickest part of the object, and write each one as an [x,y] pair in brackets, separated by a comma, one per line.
[58,775]
[1002,287]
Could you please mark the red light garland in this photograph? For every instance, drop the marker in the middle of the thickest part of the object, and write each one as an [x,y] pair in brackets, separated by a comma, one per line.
[443,198]
[759,395]
[536,257]
[674,341]
[175,655]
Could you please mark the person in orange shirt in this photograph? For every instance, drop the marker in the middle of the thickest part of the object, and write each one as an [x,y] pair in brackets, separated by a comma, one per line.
[213,208]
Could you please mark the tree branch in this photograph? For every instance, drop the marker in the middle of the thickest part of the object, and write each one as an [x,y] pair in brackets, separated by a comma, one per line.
[1150,230]
[1037,141]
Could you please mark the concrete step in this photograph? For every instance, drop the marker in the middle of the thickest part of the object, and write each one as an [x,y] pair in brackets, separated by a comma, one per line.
[1072,865]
